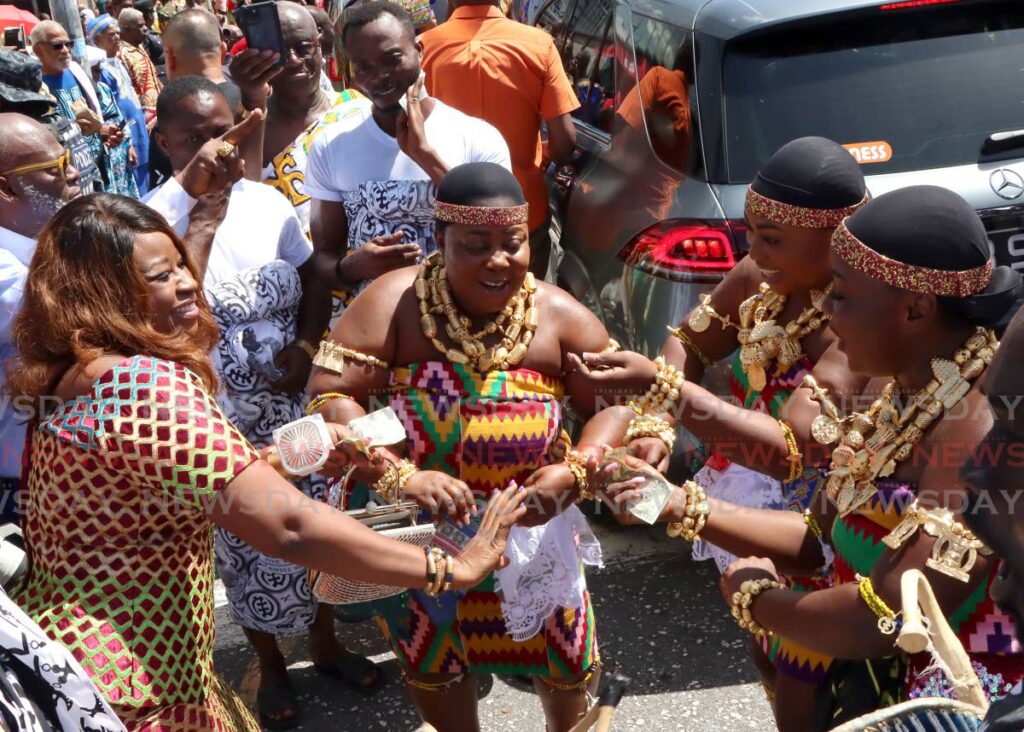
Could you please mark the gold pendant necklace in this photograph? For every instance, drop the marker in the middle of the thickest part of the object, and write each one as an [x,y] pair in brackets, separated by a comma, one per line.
[762,340]
[516,323]
[874,443]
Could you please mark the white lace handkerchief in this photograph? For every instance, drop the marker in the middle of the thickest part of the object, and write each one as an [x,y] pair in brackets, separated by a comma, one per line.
[544,571]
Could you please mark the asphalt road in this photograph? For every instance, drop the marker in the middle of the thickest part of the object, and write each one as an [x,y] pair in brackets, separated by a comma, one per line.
[660,621]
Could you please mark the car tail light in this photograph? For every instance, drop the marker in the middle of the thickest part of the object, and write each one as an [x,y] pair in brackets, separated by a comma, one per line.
[684,251]
[915,4]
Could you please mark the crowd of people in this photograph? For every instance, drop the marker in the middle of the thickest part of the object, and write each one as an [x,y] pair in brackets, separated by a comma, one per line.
[202,242]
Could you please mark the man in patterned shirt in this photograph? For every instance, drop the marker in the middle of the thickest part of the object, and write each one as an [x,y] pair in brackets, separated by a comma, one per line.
[140,66]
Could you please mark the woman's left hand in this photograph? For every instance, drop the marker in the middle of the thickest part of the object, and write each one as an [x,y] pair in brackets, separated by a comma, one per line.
[750,568]
[549,491]
[295,364]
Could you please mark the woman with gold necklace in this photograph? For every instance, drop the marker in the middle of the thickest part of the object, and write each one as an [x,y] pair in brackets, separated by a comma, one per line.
[769,308]
[914,295]
[470,352]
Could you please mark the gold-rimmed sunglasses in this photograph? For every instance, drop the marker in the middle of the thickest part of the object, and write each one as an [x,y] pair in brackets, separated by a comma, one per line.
[61,163]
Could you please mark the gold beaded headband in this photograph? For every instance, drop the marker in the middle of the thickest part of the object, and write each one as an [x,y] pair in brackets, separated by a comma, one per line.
[482,215]
[927,281]
[790,215]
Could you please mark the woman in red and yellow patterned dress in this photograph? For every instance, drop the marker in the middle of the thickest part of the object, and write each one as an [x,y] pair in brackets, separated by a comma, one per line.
[127,476]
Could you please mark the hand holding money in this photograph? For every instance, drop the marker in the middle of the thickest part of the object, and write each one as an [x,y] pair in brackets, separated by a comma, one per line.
[634,490]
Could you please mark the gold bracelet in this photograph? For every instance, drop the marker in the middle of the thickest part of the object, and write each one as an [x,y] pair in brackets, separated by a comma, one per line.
[812,524]
[449,577]
[701,316]
[691,345]
[956,548]
[885,614]
[577,464]
[431,568]
[331,356]
[795,459]
[664,392]
[650,425]
[306,346]
[391,485]
[612,347]
[439,571]
[742,601]
[317,402]
[696,510]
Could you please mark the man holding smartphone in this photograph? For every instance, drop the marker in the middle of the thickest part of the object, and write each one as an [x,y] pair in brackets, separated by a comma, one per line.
[373,174]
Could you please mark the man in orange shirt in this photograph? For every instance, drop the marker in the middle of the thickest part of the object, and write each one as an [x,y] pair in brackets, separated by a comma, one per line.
[510,75]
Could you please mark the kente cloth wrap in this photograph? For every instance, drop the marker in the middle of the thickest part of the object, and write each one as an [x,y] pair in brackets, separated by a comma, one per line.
[257,312]
[487,430]
[741,486]
[987,634]
[120,545]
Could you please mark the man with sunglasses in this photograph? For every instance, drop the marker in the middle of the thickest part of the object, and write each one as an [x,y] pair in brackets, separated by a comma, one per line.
[36,180]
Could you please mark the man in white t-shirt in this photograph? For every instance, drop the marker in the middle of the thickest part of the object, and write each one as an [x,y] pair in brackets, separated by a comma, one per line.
[373,174]
[257,227]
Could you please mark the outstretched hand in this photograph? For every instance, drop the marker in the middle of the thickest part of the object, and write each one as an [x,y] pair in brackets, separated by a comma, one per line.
[486,550]
[622,370]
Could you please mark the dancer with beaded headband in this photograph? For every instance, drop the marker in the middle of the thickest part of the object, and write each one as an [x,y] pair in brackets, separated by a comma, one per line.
[471,352]
[914,295]
[769,307]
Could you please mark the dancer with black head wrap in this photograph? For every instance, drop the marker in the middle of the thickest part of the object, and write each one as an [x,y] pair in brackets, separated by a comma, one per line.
[768,311]
[914,297]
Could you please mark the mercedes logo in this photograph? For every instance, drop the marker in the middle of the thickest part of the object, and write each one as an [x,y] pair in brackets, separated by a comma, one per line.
[1007,183]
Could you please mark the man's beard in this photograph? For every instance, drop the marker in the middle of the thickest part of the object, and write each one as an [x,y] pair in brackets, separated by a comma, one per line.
[44,206]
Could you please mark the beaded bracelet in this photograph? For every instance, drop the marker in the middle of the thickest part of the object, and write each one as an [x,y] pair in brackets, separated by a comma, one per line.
[795,459]
[331,356]
[317,402]
[650,425]
[885,614]
[440,566]
[665,391]
[696,510]
[742,600]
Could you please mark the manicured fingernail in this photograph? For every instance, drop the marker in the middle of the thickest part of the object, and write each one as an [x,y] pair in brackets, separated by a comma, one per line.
[609,469]
[638,480]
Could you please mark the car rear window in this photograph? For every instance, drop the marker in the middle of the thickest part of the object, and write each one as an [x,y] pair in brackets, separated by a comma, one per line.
[905,89]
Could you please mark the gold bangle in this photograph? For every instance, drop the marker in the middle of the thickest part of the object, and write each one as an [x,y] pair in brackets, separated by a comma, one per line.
[744,599]
[577,464]
[317,402]
[331,356]
[696,510]
[306,346]
[691,345]
[406,469]
[812,524]
[386,486]
[431,568]
[885,614]
[449,577]
[650,425]
[795,459]
[612,347]
[956,548]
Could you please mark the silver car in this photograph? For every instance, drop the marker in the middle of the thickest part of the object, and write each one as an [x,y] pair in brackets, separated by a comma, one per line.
[683,101]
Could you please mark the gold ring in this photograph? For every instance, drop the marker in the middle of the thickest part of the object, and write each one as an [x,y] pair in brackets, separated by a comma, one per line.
[225,150]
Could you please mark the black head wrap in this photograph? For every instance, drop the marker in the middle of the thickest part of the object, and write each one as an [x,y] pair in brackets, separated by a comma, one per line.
[933,228]
[811,172]
[489,193]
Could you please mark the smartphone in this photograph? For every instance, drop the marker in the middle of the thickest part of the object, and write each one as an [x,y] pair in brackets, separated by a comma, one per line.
[122,123]
[15,37]
[261,27]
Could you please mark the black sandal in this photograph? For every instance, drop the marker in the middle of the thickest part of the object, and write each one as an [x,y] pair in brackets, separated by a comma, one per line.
[271,701]
[352,670]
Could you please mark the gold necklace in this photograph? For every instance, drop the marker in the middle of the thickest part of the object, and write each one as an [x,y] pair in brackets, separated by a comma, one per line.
[874,443]
[516,323]
[762,339]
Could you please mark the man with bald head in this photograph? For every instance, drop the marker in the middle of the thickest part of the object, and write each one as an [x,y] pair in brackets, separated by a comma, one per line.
[140,66]
[36,180]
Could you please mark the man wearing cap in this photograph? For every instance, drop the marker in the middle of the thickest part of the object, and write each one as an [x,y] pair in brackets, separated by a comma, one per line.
[151,42]
[36,180]
[22,91]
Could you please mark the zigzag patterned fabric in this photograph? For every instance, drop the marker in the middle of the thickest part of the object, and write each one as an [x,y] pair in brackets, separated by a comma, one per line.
[485,429]
[121,549]
[986,633]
